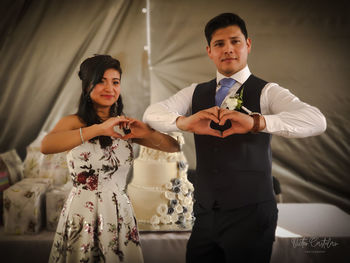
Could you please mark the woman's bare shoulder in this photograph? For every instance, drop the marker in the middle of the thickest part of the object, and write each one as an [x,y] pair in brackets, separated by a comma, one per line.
[69,122]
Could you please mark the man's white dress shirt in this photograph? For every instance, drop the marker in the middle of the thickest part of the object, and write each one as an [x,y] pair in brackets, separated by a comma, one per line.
[284,113]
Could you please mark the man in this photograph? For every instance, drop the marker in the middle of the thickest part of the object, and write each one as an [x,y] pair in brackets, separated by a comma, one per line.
[235,209]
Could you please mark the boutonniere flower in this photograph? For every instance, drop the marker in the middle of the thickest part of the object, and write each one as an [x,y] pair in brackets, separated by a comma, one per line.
[234,102]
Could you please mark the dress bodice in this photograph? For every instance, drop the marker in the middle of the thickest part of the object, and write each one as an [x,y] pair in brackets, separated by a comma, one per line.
[94,168]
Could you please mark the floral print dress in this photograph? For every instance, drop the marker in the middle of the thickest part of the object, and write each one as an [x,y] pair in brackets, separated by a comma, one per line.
[97,223]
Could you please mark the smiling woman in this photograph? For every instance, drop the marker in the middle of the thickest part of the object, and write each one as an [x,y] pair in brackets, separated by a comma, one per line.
[107,91]
[97,221]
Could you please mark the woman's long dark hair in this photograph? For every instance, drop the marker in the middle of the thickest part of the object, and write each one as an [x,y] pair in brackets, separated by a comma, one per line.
[91,72]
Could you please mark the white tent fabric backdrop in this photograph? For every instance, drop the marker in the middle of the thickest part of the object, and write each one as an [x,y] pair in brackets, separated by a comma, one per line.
[302,45]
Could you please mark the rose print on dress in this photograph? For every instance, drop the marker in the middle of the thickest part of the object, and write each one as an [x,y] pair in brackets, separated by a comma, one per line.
[132,236]
[85,156]
[89,205]
[112,161]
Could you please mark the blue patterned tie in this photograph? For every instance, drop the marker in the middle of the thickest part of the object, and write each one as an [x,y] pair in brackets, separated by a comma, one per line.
[226,84]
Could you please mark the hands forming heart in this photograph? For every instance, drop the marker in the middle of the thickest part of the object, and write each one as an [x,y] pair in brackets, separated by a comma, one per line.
[132,128]
[216,122]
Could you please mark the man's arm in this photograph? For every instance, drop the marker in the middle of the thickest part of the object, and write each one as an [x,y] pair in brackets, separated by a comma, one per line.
[162,115]
[285,115]
[174,114]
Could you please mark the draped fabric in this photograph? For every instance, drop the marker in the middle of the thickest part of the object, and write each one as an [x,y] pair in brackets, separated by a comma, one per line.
[43,43]
[301,45]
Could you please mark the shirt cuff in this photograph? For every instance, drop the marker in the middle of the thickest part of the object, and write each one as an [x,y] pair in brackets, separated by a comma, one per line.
[272,124]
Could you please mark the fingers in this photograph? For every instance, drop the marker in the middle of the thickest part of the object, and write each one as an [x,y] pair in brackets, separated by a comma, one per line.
[117,135]
[123,122]
[128,136]
[222,112]
[214,111]
[208,115]
[228,132]
[215,133]
[227,115]
[118,120]
[131,122]
[126,125]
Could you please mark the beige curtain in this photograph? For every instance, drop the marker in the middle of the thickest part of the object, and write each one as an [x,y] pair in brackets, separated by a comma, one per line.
[302,45]
[43,44]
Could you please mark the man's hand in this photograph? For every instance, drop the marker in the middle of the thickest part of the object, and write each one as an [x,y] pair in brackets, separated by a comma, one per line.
[199,123]
[241,123]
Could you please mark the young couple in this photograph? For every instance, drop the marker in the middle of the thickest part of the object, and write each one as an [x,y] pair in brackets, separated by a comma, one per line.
[232,118]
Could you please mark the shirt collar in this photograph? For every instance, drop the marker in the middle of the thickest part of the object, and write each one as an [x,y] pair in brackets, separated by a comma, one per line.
[240,76]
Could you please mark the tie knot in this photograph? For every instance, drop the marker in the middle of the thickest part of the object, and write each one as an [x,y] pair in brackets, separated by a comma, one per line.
[227,82]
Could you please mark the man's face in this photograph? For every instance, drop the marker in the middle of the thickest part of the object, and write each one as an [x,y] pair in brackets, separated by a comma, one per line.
[229,50]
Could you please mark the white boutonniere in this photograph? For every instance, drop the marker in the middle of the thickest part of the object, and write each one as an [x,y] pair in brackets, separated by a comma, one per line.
[234,102]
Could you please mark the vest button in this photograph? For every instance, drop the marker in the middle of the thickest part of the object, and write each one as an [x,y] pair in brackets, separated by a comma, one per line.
[215,171]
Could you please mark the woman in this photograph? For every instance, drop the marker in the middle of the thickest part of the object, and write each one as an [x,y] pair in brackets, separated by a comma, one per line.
[97,222]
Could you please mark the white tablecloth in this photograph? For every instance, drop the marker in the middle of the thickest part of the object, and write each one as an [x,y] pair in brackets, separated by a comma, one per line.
[312,233]
[306,233]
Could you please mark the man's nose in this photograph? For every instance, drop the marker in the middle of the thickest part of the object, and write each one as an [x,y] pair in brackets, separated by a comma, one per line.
[228,48]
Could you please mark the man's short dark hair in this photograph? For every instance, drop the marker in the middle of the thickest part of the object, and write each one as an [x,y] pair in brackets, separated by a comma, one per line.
[222,21]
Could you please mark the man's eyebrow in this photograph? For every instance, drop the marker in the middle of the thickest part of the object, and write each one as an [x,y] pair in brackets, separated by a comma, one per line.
[222,40]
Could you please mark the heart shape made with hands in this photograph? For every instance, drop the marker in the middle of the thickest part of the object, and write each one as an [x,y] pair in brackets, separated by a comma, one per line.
[236,122]
[122,126]
[132,128]
[217,126]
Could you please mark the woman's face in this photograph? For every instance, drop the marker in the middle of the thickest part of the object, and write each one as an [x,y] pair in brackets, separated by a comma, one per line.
[107,92]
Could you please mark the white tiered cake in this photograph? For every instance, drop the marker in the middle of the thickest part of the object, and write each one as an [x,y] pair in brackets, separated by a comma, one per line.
[160,193]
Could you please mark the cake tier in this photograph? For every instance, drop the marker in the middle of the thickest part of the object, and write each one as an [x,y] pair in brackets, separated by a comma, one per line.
[169,207]
[156,155]
[153,173]
[145,202]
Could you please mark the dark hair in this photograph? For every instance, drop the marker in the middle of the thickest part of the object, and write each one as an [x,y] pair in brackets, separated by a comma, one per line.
[222,21]
[91,72]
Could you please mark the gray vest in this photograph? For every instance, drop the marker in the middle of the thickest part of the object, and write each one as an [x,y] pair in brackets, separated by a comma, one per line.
[235,171]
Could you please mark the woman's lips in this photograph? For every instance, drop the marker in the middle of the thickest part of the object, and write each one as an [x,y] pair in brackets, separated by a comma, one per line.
[108,96]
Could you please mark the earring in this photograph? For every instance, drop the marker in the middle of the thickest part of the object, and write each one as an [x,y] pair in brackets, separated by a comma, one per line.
[115,108]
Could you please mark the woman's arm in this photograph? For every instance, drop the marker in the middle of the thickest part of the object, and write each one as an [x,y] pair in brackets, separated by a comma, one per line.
[66,134]
[144,135]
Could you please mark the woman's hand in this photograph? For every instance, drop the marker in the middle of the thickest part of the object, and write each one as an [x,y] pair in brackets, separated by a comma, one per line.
[144,135]
[138,129]
[107,127]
